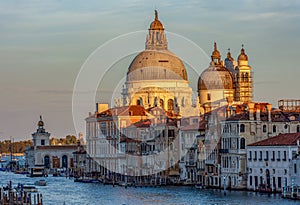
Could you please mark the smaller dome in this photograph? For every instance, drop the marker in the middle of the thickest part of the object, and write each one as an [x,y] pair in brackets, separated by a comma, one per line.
[156,24]
[229,57]
[243,56]
[214,78]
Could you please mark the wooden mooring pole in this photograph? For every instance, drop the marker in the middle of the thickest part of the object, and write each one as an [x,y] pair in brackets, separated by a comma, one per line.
[11,197]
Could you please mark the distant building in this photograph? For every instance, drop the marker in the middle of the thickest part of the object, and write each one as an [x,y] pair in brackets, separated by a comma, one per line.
[48,156]
[272,163]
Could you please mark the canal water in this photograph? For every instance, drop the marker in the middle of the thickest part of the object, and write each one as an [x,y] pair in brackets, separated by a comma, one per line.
[60,190]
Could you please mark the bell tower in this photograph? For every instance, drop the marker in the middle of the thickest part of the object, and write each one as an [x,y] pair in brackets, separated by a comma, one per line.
[243,79]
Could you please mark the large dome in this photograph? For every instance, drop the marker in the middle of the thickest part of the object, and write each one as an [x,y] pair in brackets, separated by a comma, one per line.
[215,77]
[156,64]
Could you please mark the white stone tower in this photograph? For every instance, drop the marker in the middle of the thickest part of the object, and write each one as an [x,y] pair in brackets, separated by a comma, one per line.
[41,137]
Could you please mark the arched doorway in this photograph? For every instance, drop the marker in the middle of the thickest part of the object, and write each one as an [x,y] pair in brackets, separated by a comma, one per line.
[47,161]
[268,178]
[229,182]
[65,161]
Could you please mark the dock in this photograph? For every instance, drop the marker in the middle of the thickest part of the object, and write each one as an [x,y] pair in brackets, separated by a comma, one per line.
[9,196]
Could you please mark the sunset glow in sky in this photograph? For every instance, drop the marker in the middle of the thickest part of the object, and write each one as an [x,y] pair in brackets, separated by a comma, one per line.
[43,44]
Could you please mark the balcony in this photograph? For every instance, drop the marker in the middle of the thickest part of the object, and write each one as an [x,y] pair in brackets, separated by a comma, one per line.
[224,151]
[229,170]
[190,164]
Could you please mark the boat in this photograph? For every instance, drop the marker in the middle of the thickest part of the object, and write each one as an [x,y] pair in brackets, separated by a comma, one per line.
[25,188]
[36,172]
[86,180]
[198,186]
[40,182]
[29,188]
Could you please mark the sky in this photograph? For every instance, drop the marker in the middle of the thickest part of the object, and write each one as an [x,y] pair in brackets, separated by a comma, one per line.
[44,43]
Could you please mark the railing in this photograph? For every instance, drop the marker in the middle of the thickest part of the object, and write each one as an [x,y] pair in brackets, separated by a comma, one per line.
[223,151]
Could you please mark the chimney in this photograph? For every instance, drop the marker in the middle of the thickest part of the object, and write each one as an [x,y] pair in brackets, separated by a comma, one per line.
[269,107]
[101,107]
[251,110]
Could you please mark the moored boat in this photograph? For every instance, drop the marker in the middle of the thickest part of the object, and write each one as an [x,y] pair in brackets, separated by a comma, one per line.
[41,182]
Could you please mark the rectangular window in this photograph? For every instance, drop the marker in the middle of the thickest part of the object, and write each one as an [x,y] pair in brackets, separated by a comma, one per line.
[273,155]
[255,156]
[260,155]
[295,168]
[42,142]
[267,156]
[250,181]
[278,156]
[250,156]
[284,155]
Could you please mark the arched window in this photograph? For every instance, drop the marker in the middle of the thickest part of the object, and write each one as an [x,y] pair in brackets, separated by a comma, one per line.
[138,102]
[208,96]
[47,161]
[243,143]
[274,128]
[161,103]
[64,161]
[242,128]
[155,102]
[246,77]
[170,105]
[243,77]
[298,128]
[264,128]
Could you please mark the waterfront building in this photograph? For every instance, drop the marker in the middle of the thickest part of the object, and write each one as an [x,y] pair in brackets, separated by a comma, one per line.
[271,162]
[80,160]
[249,123]
[43,154]
[191,133]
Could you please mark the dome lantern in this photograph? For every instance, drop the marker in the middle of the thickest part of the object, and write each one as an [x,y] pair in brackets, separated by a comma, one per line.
[216,56]
[156,39]
[41,123]
[243,56]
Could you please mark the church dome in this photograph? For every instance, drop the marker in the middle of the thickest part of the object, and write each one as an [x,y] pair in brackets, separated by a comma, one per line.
[215,77]
[156,65]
